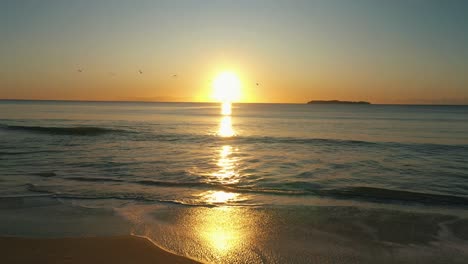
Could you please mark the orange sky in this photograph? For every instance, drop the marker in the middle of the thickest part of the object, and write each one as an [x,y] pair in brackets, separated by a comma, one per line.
[399,52]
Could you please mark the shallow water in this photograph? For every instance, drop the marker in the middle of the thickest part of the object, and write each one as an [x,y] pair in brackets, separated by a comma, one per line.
[173,169]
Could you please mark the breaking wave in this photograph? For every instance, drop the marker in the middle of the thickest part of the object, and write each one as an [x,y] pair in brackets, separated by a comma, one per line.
[77,130]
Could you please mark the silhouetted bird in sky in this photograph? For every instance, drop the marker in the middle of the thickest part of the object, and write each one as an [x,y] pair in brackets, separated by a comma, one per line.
[257,84]
[174,75]
[80,70]
[140,71]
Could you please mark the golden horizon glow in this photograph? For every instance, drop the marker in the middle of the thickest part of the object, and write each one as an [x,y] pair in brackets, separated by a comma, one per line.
[423,62]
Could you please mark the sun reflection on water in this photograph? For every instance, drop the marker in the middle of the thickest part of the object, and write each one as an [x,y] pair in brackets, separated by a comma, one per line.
[222,230]
[226,172]
[219,232]
[225,127]
[226,108]
[219,197]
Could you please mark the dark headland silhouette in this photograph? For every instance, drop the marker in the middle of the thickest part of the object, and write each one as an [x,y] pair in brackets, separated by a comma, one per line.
[337,102]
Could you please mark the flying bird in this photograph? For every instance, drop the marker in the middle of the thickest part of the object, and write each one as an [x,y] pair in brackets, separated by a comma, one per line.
[174,75]
[80,70]
[140,71]
[257,84]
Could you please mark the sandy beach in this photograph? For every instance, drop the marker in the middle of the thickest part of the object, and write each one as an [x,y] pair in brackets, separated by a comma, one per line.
[118,249]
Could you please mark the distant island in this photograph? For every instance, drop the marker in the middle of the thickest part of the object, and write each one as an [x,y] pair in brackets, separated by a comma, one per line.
[336,102]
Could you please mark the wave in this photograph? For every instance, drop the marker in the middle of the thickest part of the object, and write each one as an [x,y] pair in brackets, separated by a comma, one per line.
[371,194]
[292,140]
[198,184]
[13,153]
[200,138]
[141,182]
[197,138]
[37,189]
[43,192]
[77,130]
[420,147]
[45,174]
[381,194]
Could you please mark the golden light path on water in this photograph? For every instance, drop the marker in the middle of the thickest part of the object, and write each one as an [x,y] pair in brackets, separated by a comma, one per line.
[222,229]
[226,108]
[225,127]
[226,172]
[224,234]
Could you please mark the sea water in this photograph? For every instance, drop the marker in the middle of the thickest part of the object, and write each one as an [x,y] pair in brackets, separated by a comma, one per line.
[270,183]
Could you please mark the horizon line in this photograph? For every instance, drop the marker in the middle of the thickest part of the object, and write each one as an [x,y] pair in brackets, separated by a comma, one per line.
[211,102]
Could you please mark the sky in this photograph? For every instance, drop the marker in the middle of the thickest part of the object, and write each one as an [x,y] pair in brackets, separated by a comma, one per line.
[395,52]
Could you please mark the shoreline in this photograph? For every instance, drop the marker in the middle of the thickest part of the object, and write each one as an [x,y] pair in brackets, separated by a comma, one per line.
[77,250]
[44,230]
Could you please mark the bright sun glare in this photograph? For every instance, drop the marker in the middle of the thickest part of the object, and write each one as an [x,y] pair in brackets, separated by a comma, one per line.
[226,87]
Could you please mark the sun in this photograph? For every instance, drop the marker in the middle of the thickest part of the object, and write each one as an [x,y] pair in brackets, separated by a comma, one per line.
[227,87]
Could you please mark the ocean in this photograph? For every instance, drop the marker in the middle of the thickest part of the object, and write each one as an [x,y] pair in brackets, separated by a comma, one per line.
[272,183]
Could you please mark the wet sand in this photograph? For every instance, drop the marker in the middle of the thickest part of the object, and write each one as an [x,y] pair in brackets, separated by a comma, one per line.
[119,249]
